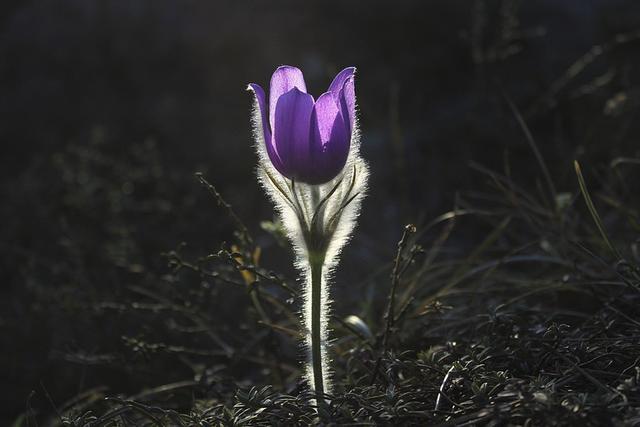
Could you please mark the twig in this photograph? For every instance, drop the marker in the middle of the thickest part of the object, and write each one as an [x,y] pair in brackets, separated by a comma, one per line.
[244,231]
[395,278]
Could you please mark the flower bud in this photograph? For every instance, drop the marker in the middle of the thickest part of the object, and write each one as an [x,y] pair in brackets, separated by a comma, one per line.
[307,140]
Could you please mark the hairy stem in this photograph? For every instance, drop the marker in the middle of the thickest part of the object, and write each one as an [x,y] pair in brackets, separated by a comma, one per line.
[316,262]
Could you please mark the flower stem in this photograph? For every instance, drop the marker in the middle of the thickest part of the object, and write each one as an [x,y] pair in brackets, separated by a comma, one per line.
[316,263]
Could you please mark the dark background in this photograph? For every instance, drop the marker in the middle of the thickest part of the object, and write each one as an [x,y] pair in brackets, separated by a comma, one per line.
[108,108]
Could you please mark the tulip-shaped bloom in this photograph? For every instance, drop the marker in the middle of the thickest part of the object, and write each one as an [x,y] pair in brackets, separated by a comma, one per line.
[309,164]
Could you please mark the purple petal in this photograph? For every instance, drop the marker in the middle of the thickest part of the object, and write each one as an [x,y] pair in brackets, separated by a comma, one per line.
[329,141]
[347,102]
[283,80]
[258,92]
[292,117]
[339,80]
[343,89]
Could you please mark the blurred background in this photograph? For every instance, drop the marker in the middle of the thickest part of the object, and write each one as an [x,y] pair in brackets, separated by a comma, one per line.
[109,108]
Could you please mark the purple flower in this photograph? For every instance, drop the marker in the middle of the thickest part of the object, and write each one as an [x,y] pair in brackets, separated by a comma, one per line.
[307,140]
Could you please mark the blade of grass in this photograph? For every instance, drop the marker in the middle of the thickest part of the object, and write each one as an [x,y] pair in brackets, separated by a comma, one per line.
[593,211]
[534,147]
